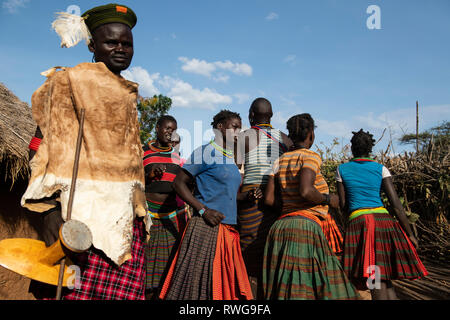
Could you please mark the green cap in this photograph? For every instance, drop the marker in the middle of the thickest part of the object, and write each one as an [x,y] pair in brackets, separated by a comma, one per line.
[109,13]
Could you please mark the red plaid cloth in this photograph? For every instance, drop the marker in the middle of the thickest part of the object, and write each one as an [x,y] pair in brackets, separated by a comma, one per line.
[101,279]
[376,239]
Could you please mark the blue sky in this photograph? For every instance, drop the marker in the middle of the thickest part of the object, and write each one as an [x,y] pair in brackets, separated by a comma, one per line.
[304,56]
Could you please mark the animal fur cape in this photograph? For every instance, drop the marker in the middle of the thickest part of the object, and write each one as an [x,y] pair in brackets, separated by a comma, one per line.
[110,188]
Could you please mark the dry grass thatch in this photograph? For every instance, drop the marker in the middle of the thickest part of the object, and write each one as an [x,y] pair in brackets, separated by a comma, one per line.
[16,130]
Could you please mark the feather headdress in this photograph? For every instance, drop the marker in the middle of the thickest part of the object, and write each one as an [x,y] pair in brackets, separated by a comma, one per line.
[71,29]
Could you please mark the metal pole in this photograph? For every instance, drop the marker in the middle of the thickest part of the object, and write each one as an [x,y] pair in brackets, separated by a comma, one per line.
[70,203]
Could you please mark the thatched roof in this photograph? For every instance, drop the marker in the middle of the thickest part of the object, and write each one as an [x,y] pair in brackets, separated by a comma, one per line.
[16,130]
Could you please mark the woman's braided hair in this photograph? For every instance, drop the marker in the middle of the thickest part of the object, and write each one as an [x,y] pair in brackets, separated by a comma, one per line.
[299,126]
[223,116]
[362,143]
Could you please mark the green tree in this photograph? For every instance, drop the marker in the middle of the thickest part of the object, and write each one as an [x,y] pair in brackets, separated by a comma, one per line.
[437,137]
[150,110]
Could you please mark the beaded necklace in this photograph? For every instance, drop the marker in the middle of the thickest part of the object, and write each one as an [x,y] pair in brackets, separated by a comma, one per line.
[225,152]
[165,150]
[363,159]
[264,125]
[262,128]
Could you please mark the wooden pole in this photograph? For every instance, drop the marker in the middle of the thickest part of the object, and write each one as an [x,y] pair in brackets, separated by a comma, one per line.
[71,194]
[417,127]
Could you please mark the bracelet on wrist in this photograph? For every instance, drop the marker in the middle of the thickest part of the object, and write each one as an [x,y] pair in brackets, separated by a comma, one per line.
[202,211]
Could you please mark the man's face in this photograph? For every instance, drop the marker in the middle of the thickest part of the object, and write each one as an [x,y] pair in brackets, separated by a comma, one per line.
[113,45]
[165,131]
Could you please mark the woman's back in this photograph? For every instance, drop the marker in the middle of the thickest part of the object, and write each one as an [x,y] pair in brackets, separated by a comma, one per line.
[287,171]
[362,179]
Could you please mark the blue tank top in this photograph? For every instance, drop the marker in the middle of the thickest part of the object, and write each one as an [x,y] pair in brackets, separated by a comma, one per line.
[362,180]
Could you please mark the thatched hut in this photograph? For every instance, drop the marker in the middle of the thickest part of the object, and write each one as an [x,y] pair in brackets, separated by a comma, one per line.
[16,130]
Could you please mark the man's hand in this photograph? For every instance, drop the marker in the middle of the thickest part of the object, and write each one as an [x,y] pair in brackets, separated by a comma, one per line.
[213,217]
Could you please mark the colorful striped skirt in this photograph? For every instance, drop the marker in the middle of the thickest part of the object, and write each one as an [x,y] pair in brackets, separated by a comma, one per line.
[101,279]
[375,241]
[254,222]
[208,265]
[300,265]
[333,234]
[329,228]
[165,235]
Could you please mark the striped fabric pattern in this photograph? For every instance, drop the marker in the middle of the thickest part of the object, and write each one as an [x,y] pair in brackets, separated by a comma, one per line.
[259,161]
[102,280]
[171,160]
[300,265]
[333,234]
[190,275]
[287,169]
[355,214]
[254,222]
[378,240]
[329,228]
[230,280]
[165,235]
[254,225]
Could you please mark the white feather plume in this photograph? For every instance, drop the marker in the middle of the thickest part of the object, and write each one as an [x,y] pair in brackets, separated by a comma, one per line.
[71,29]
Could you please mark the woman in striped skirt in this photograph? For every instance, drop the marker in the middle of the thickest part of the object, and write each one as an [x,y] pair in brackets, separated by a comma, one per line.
[168,217]
[299,263]
[377,248]
[209,264]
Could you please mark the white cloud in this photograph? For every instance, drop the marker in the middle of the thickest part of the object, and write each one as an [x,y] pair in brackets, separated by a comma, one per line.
[207,69]
[396,122]
[340,129]
[369,120]
[184,95]
[280,119]
[197,66]
[242,97]
[405,119]
[145,80]
[272,16]
[221,78]
[290,103]
[14,5]
[241,69]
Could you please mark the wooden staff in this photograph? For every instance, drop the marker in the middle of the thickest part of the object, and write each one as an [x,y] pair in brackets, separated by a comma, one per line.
[72,191]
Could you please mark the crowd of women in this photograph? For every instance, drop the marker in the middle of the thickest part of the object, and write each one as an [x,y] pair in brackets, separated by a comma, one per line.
[247,216]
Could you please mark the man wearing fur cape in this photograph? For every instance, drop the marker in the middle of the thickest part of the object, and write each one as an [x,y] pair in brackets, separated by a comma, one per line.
[109,194]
